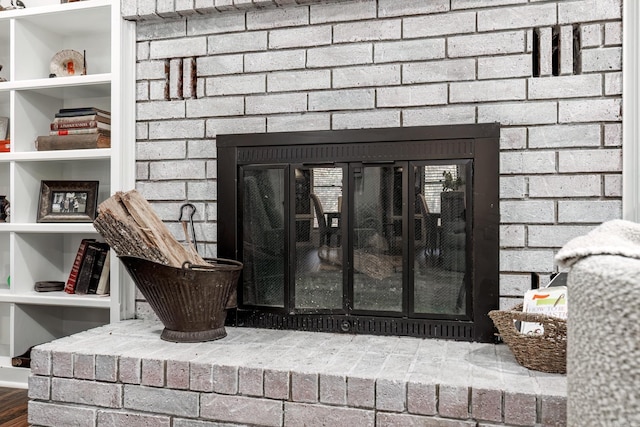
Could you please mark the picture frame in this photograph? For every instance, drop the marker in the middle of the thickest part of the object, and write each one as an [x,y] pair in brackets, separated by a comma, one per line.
[67,201]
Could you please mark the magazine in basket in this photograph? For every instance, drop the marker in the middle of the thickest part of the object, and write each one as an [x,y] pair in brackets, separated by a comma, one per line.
[551,301]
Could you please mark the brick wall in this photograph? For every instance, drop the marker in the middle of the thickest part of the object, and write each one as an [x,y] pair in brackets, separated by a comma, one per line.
[236,66]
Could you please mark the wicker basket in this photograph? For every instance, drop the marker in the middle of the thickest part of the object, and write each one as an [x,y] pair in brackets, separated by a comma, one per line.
[546,352]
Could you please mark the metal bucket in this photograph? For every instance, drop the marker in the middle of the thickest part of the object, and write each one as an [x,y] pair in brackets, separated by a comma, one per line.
[192,301]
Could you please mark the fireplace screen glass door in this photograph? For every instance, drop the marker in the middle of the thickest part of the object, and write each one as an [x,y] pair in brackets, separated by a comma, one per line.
[303,226]
[391,231]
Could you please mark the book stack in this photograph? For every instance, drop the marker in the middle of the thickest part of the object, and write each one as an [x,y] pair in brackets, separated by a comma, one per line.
[90,270]
[77,128]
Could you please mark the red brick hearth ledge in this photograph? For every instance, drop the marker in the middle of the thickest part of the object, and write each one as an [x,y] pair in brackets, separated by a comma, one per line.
[158,9]
[123,374]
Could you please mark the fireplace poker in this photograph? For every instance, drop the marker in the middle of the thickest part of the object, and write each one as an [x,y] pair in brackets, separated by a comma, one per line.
[183,208]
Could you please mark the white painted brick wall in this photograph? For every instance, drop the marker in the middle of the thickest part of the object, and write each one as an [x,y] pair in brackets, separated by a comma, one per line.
[512,236]
[440,71]
[588,135]
[487,44]
[412,95]
[300,37]
[364,31]
[298,80]
[590,161]
[535,15]
[589,10]
[299,122]
[438,25]
[340,55]
[549,236]
[377,75]
[343,11]
[589,110]
[603,59]
[591,211]
[310,65]
[410,7]
[504,66]
[488,90]
[513,187]
[411,50]
[564,186]
[527,211]
[362,120]
[580,86]
[197,46]
[439,116]
[237,42]
[514,285]
[274,61]
[273,18]
[215,24]
[527,162]
[522,113]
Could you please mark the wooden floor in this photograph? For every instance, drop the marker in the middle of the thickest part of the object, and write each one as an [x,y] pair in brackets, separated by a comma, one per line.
[13,407]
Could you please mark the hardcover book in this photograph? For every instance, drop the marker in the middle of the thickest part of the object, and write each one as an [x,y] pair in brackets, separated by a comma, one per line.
[72,142]
[80,131]
[103,283]
[83,124]
[86,269]
[75,268]
[96,272]
[82,111]
[83,118]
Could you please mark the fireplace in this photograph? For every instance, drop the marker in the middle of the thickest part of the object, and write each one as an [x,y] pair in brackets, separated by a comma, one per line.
[390,231]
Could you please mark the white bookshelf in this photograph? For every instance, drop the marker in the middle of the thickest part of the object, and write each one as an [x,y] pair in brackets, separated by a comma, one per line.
[31,251]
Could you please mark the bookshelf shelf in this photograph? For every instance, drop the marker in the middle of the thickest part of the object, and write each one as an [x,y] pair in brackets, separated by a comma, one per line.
[30,98]
[60,299]
[49,156]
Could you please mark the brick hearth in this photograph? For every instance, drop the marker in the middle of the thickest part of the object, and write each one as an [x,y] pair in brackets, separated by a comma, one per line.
[123,375]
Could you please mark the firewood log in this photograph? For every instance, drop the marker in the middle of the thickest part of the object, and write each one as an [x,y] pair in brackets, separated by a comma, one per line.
[129,225]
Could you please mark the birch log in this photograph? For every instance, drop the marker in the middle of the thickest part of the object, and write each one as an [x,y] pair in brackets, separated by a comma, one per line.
[129,225]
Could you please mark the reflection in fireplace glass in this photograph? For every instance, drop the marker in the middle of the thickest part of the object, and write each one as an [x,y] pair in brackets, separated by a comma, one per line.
[319,255]
[440,243]
[377,247]
[263,233]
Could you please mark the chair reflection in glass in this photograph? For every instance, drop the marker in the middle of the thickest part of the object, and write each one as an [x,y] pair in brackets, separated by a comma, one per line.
[326,224]
[430,230]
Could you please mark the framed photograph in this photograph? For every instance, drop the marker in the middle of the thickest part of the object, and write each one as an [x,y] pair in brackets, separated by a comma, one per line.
[68,201]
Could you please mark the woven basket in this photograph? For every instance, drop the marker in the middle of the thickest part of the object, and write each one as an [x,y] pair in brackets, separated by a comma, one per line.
[546,352]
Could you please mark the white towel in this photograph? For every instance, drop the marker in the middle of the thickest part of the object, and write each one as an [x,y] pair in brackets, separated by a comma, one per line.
[616,237]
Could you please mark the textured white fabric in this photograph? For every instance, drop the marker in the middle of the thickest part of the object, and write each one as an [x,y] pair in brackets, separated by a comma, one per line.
[603,326]
[616,237]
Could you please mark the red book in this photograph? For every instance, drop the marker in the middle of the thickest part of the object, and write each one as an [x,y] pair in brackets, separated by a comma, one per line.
[70,286]
[80,131]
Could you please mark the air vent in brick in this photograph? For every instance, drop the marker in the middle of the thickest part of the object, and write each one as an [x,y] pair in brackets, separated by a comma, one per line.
[180,78]
[556,51]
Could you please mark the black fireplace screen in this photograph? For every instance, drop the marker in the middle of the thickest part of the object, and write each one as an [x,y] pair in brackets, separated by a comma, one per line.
[386,231]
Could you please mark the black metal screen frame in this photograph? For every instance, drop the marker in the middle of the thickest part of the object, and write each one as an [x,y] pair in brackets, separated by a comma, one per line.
[478,143]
